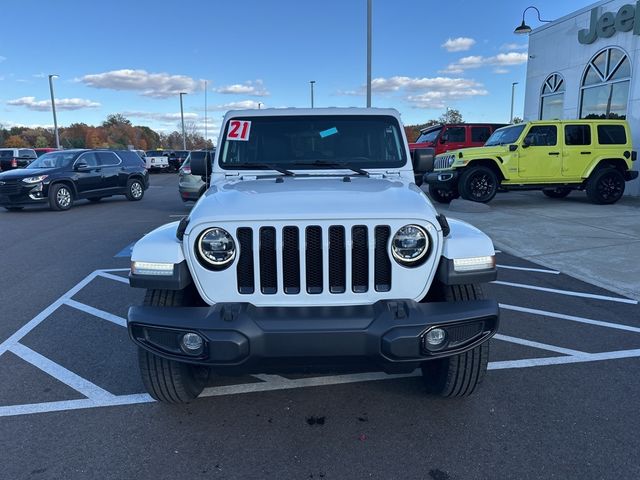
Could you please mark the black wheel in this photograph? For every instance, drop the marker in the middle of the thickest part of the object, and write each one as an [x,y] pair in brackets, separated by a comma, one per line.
[14,209]
[135,190]
[167,380]
[605,186]
[442,196]
[60,197]
[478,184]
[559,192]
[95,199]
[460,375]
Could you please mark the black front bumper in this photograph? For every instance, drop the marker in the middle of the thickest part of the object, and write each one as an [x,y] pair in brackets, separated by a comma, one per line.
[240,334]
[443,179]
[16,193]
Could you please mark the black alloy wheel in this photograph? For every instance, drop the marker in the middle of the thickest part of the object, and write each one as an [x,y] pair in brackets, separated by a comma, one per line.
[478,184]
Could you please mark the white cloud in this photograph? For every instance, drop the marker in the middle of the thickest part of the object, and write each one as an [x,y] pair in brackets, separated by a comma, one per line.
[61,103]
[155,85]
[477,61]
[161,117]
[500,70]
[459,44]
[8,124]
[242,105]
[255,88]
[430,92]
[514,46]
[393,84]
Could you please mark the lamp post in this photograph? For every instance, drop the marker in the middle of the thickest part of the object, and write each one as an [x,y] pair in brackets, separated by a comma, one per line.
[513,91]
[205,115]
[259,105]
[524,28]
[368,53]
[53,107]
[184,137]
[311,82]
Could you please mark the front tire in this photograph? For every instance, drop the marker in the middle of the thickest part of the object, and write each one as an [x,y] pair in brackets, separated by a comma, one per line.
[605,186]
[478,184]
[135,190]
[459,375]
[60,197]
[170,381]
[442,196]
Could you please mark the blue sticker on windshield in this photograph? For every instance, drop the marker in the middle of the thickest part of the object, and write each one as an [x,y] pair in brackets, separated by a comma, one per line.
[330,131]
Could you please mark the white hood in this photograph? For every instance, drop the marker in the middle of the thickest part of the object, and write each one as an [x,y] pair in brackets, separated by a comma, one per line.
[304,198]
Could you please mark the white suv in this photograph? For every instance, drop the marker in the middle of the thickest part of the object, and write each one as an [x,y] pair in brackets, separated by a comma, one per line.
[312,244]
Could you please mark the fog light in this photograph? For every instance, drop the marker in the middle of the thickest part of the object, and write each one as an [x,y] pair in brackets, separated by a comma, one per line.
[435,338]
[192,344]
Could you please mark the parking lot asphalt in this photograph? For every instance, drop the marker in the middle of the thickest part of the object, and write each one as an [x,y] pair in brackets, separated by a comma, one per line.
[590,242]
[559,401]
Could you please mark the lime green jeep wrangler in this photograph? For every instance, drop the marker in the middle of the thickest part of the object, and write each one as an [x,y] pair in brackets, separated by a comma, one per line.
[554,156]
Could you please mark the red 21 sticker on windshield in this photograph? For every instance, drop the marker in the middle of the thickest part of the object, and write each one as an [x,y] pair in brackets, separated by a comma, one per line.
[239,130]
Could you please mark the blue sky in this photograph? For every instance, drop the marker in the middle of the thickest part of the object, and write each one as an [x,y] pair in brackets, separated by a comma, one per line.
[133,57]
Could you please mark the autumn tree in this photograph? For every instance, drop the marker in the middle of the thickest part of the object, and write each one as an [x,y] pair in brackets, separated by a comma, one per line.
[15,141]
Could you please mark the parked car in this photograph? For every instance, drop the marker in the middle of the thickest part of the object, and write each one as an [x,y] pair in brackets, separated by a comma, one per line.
[312,245]
[42,151]
[156,160]
[190,187]
[11,158]
[555,156]
[452,136]
[177,158]
[59,178]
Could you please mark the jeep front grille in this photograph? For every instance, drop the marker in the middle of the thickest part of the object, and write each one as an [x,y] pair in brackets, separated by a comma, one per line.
[442,161]
[302,257]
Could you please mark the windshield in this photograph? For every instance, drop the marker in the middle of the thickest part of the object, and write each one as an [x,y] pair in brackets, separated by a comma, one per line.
[312,142]
[505,135]
[429,136]
[155,153]
[53,160]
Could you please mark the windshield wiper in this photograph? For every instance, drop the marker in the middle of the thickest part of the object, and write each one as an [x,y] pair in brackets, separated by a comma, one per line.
[344,165]
[283,171]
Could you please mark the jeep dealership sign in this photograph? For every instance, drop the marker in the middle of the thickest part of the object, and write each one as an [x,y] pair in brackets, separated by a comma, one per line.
[625,20]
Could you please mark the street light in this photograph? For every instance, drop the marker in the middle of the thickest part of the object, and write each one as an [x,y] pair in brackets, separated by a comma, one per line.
[368,53]
[513,91]
[259,105]
[53,107]
[524,28]
[184,138]
[311,82]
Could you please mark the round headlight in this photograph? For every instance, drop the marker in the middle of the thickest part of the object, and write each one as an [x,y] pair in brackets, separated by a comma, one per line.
[216,247]
[452,159]
[410,244]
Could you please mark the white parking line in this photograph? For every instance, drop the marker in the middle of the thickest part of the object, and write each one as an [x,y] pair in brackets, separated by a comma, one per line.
[117,278]
[82,385]
[541,346]
[567,292]
[588,357]
[525,269]
[97,312]
[35,321]
[573,318]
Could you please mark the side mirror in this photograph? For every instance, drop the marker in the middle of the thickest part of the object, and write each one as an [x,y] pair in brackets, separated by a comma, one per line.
[526,143]
[443,139]
[201,165]
[81,165]
[422,160]
[513,148]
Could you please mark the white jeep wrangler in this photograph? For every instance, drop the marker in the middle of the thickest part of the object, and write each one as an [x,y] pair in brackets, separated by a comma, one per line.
[312,246]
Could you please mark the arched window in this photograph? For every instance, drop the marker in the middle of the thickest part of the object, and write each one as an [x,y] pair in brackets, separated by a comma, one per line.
[552,97]
[605,85]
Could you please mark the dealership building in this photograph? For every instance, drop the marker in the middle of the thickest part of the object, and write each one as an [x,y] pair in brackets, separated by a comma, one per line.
[586,65]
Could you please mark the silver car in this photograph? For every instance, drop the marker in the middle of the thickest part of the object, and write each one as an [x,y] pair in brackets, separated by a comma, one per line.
[191,187]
